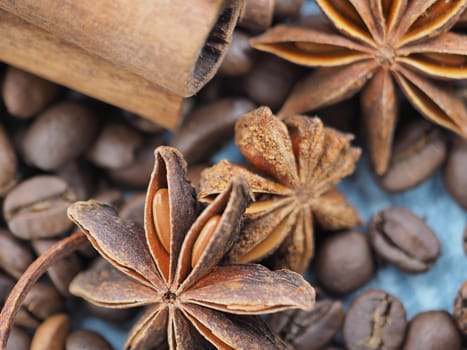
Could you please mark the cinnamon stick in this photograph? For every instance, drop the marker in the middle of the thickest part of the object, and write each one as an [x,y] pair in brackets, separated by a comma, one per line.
[27,47]
[176,44]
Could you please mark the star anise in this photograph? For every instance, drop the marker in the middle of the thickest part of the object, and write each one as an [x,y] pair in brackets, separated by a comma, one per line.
[374,43]
[173,266]
[304,162]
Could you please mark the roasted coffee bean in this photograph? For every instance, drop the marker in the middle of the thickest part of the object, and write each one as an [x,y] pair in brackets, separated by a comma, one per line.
[15,256]
[343,262]
[419,150]
[52,333]
[375,320]
[115,147]
[8,163]
[110,196]
[142,124]
[455,173]
[287,8]
[460,308]
[18,339]
[62,272]
[137,174]
[403,239]
[79,175]
[134,209]
[36,208]
[83,339]
[6,285]
[309,330]
[208,127]
[432,330]
[25,94]
[465,239]
[41,302]
[111,315]
[239,58]
[270,82]
[59,134]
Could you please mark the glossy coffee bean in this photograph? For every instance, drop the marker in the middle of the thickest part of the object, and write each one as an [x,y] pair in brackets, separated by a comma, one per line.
[36,208]
[15,256]
[63,271]
[83,339]
[403,239]
[19,339]
[79,175]
[8,163]
[287,8]
[309,330]
[239,57]
[376,320]
[343,262]
[52,333]
[419,150]
[59,134]
[432,330]
[208,127]
[25,94]
[6,285]
[460,308]
[455,173]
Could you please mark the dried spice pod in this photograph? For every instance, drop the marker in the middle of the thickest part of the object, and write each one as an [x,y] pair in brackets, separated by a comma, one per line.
[25,94]
[173,267]
[304,162]
[374,46]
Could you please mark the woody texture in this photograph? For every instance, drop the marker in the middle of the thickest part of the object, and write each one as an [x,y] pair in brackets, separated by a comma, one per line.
[374,45]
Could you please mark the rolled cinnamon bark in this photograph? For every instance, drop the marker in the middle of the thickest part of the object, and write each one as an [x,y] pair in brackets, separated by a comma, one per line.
[27,47]
[176,44]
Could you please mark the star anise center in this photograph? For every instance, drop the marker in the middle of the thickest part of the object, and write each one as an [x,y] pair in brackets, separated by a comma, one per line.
[169,297]
[386,55]
[304,197]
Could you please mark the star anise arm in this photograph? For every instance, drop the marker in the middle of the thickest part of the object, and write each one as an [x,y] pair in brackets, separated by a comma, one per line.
[185,334]
[169,189]
[334,212]
[104,285]
[346,18]
[380,106]
[263,140]
[444,57]
[387,14]
[251,289]
[232,332]
[108,234]
[436,103]
[427,18]
[228,208]
[150,331]
[311,44]
[327,86]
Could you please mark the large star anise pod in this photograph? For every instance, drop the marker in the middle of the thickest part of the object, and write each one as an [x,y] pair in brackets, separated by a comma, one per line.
[373,43]
[173,266]
[304,162]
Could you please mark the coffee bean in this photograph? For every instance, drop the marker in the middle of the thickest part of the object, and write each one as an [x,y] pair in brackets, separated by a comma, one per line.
[36,208]
[52,333]
[8,163]
[432,330]
[208,127]
[133,209]
[239,58]
[83,339]
[137,174]
[115,146]
[403,239]
[25,94]
[419,150]
[375,320]
[79,175]
[110,196]
[465,239]
[18,339]
[287,8]
[309,330]
[63,271]
[6,285]
[455,173]
[142,124]
[270,82]
[460,308]
[41,302]
[343,262]
[59,134]
[15,256]
[111,315]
